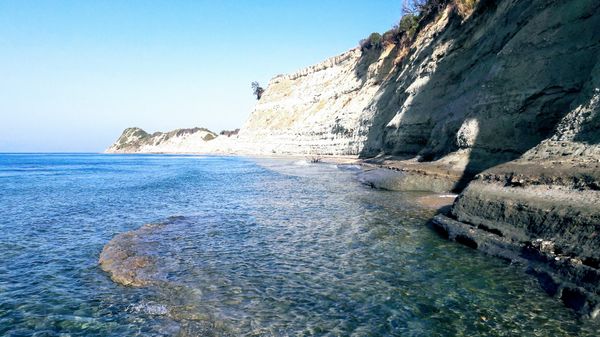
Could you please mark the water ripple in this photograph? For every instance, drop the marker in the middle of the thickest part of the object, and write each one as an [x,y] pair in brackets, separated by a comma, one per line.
[246,248]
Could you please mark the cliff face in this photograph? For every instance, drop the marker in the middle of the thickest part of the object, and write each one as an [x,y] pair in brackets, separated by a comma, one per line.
[495,85]
[136,140]
[546,203]
[484,89]
[509,95]
[318,110]
[468,93]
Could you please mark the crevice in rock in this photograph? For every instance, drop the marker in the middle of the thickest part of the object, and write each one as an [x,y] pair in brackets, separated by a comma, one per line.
[573,298]
[465,240]
[490,230]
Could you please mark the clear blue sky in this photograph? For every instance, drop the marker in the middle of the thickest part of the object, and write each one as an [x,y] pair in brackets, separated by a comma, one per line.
[74,74]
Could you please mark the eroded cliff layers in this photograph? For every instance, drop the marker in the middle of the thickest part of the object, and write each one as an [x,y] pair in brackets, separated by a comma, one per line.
[509,96]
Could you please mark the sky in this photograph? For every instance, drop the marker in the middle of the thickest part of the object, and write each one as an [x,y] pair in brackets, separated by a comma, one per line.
[74,74]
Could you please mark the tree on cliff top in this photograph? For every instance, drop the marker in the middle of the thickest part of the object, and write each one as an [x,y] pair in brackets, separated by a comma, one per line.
[420,7]
[257,90]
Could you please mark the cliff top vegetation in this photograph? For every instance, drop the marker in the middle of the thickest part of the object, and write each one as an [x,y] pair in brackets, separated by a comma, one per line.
[414,12]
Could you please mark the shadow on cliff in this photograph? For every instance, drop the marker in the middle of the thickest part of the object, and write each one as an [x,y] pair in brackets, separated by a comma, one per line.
[367,58]
[471,90]
[372,55]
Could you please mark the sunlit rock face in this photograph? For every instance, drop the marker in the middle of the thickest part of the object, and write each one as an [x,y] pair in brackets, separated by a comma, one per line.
[322,109]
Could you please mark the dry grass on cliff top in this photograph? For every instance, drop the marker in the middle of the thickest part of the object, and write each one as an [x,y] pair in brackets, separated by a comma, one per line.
[465,7]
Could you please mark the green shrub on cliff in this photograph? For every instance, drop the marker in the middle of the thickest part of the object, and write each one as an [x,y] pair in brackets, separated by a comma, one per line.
[408,24]
[389,37]
[374,41]
[413,11]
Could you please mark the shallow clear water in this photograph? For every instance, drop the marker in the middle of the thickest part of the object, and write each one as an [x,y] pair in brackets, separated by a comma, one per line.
[259,248]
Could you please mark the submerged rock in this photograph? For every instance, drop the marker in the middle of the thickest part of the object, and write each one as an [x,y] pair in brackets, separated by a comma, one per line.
[393,180]
[128,258]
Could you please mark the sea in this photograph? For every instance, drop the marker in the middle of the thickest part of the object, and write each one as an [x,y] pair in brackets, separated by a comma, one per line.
[245,247]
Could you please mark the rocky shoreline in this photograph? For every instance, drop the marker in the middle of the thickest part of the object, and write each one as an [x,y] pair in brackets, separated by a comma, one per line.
[544,216]
[501,106]
[562,276]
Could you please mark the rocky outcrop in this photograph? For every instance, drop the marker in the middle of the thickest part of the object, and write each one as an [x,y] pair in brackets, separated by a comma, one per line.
[546,203]
[127,260]
[136,140]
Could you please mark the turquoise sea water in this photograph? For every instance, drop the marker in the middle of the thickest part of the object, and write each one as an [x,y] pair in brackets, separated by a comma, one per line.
[245,247]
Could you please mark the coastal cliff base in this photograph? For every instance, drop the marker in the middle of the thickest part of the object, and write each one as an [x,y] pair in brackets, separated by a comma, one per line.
[544,216]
